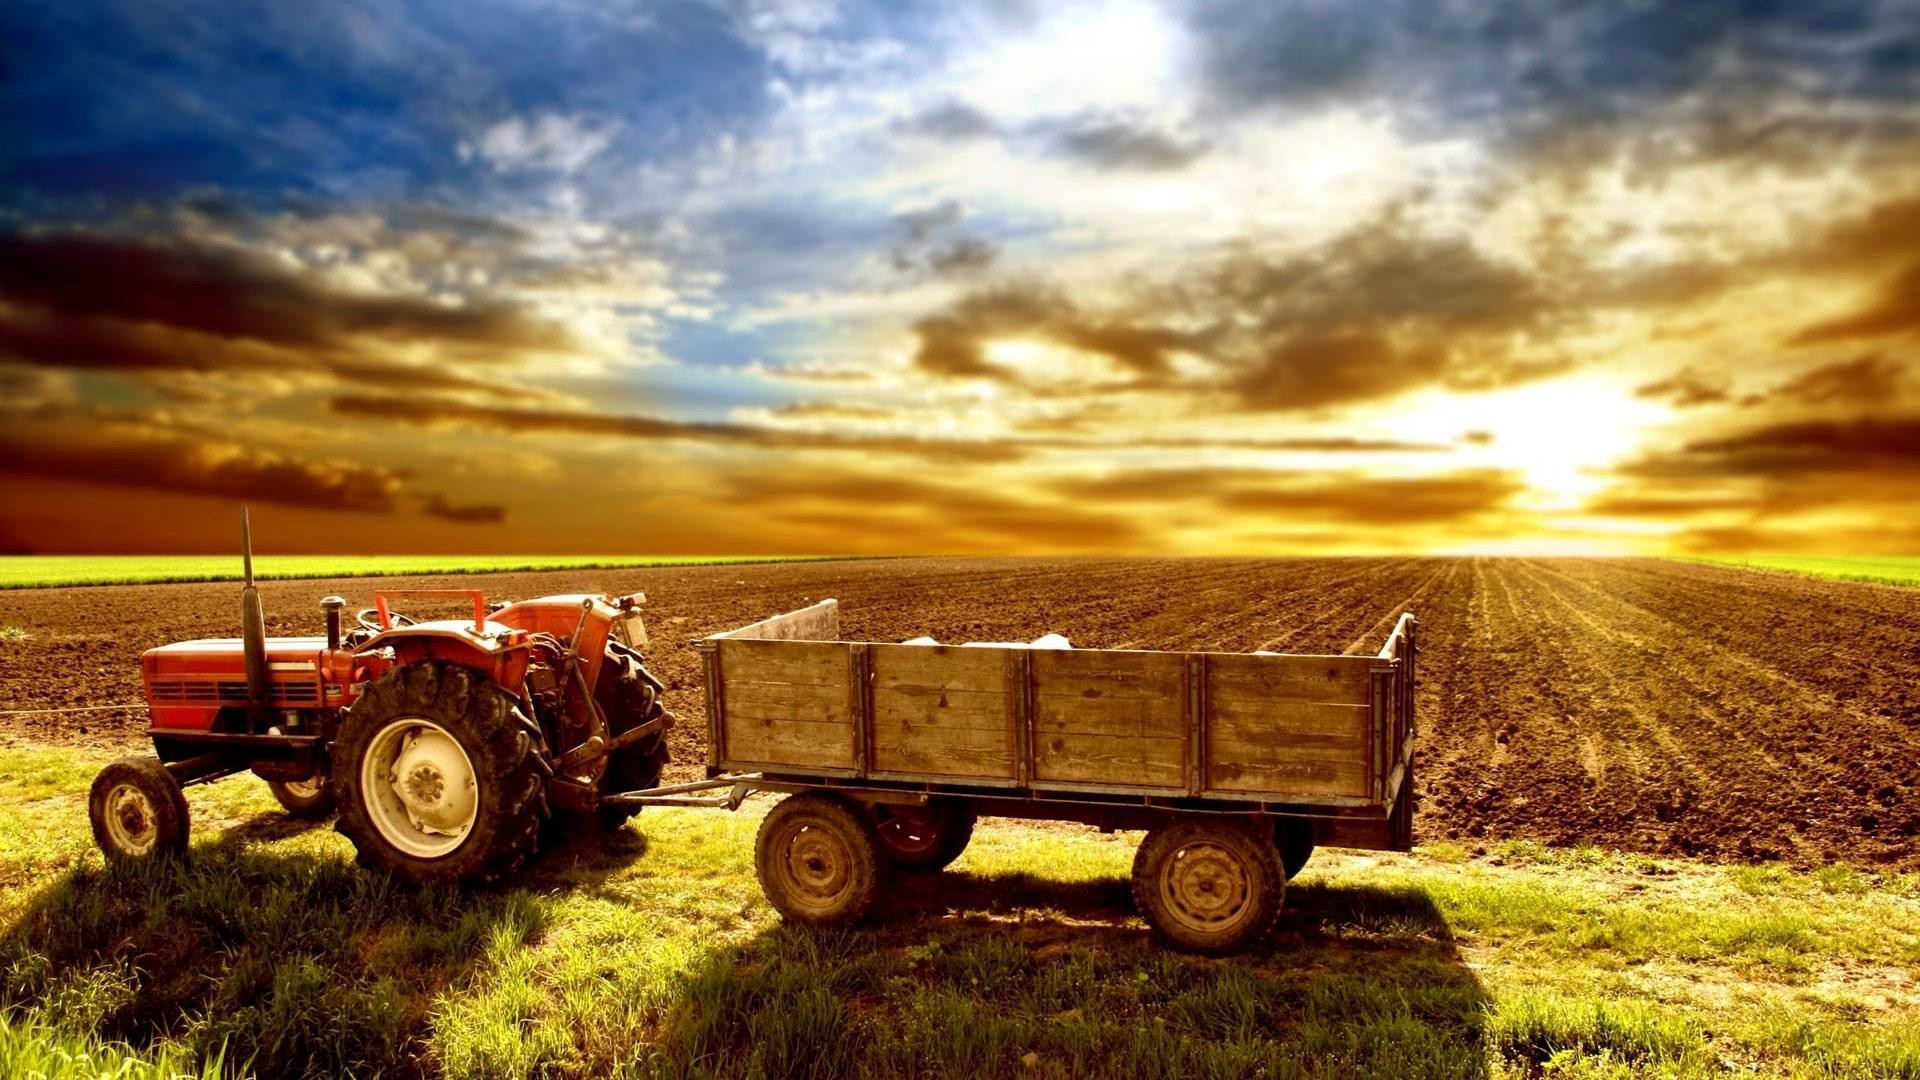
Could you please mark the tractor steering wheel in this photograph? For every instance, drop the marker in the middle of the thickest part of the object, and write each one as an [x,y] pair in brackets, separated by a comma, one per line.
[370,619]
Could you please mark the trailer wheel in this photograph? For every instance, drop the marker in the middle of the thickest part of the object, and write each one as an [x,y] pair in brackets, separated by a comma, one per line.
[629,696]
[1294,838]
[437,776]
[817,861]
[926,837]
[138,811]
[309,798]
[1206,887]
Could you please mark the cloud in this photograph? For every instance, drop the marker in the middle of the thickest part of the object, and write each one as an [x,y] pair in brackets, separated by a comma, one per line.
[1113,144]
[950,121]
[1864,380]
[1321,497]
[1376,312]
[1816,445]
[101,448]
[1895,311]
[87,302]
[478,514]
[550,142]
[443,412]
[1685,388]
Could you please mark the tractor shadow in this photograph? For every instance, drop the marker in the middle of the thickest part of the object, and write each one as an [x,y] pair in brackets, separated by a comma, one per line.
[267,947]
[966,974]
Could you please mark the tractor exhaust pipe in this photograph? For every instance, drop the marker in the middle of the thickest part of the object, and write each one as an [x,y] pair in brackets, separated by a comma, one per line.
[332,605]
[253,628]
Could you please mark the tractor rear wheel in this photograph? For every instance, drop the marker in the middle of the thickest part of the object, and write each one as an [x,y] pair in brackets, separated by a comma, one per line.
[309,798]
[817,861]
[138,811]
[629,696]
[1208,887]
[438,776]
[926,837]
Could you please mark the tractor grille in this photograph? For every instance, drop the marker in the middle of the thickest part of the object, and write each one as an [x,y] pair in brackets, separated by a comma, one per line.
[229,692]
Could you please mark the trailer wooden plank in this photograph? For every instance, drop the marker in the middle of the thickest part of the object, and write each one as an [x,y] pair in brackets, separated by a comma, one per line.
[811,663]
[1261,721]
[788,701]
[1106,759]
[1283,776]
[800,743]
[1302,678]
[944,711]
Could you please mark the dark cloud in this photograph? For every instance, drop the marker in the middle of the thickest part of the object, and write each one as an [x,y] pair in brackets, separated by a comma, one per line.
[1685,388]
[1865,380]
[477,514]
[966,255]
[951,121]
[1816,445]
[1377,312]
[1664,81]
[921,223]
[953,344]
[1309,372]
[1895,311]
[920,250]
[87,302]
[98,448]
[1113,144]
[443,412]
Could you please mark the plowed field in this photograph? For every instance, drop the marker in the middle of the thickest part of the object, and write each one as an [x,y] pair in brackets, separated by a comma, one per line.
[1643,705]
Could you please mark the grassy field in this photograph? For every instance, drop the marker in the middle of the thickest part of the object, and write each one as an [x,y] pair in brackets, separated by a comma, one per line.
[1879,569]
[36,571]
[653,954]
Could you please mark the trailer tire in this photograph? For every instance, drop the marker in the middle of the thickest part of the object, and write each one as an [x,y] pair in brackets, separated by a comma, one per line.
[629,696]
[453,731]
[307,799]
[1209,887]
[926,837]
[1294,838]
[138,811]
[817,861]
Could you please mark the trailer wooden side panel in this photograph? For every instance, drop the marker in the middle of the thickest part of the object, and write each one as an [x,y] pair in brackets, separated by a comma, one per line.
[1110,717]
[944,711]
[1289,726]
[785,704]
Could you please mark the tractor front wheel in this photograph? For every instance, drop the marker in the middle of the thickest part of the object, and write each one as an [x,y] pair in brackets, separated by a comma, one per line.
[308,799]
[438,777]
[138,811]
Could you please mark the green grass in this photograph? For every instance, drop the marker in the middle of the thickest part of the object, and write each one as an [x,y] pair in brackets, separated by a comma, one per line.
[39,571]
[1878,569]
[653,954]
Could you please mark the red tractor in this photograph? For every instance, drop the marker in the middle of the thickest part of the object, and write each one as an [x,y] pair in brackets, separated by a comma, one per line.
[446,746]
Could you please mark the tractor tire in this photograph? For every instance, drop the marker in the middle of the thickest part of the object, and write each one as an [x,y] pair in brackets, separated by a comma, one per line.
[926,837]
[629,696]
[308,799]
[1207,887]
[817,861]
[1294,838]
[138,812]
[439,776]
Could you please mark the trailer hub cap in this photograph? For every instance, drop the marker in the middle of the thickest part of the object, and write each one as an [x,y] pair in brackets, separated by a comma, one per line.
[420,787]
[1207,887]
[131,819]
[817,865]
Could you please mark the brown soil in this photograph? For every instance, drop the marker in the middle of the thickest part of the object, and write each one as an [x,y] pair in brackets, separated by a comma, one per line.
[1651,706]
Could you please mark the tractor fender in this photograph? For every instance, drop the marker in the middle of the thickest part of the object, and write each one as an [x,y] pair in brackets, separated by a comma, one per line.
[501,653]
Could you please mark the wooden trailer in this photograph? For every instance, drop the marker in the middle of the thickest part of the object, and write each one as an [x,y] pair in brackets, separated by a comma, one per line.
[1237,764]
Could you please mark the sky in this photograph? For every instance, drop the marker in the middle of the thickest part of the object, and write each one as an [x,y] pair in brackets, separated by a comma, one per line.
[1010,277]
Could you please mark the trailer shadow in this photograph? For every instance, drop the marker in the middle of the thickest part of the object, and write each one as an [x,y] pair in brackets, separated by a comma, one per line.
[965,974]
[273,950]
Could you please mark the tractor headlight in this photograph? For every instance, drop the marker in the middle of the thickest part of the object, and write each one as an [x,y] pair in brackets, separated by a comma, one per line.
[632,628]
